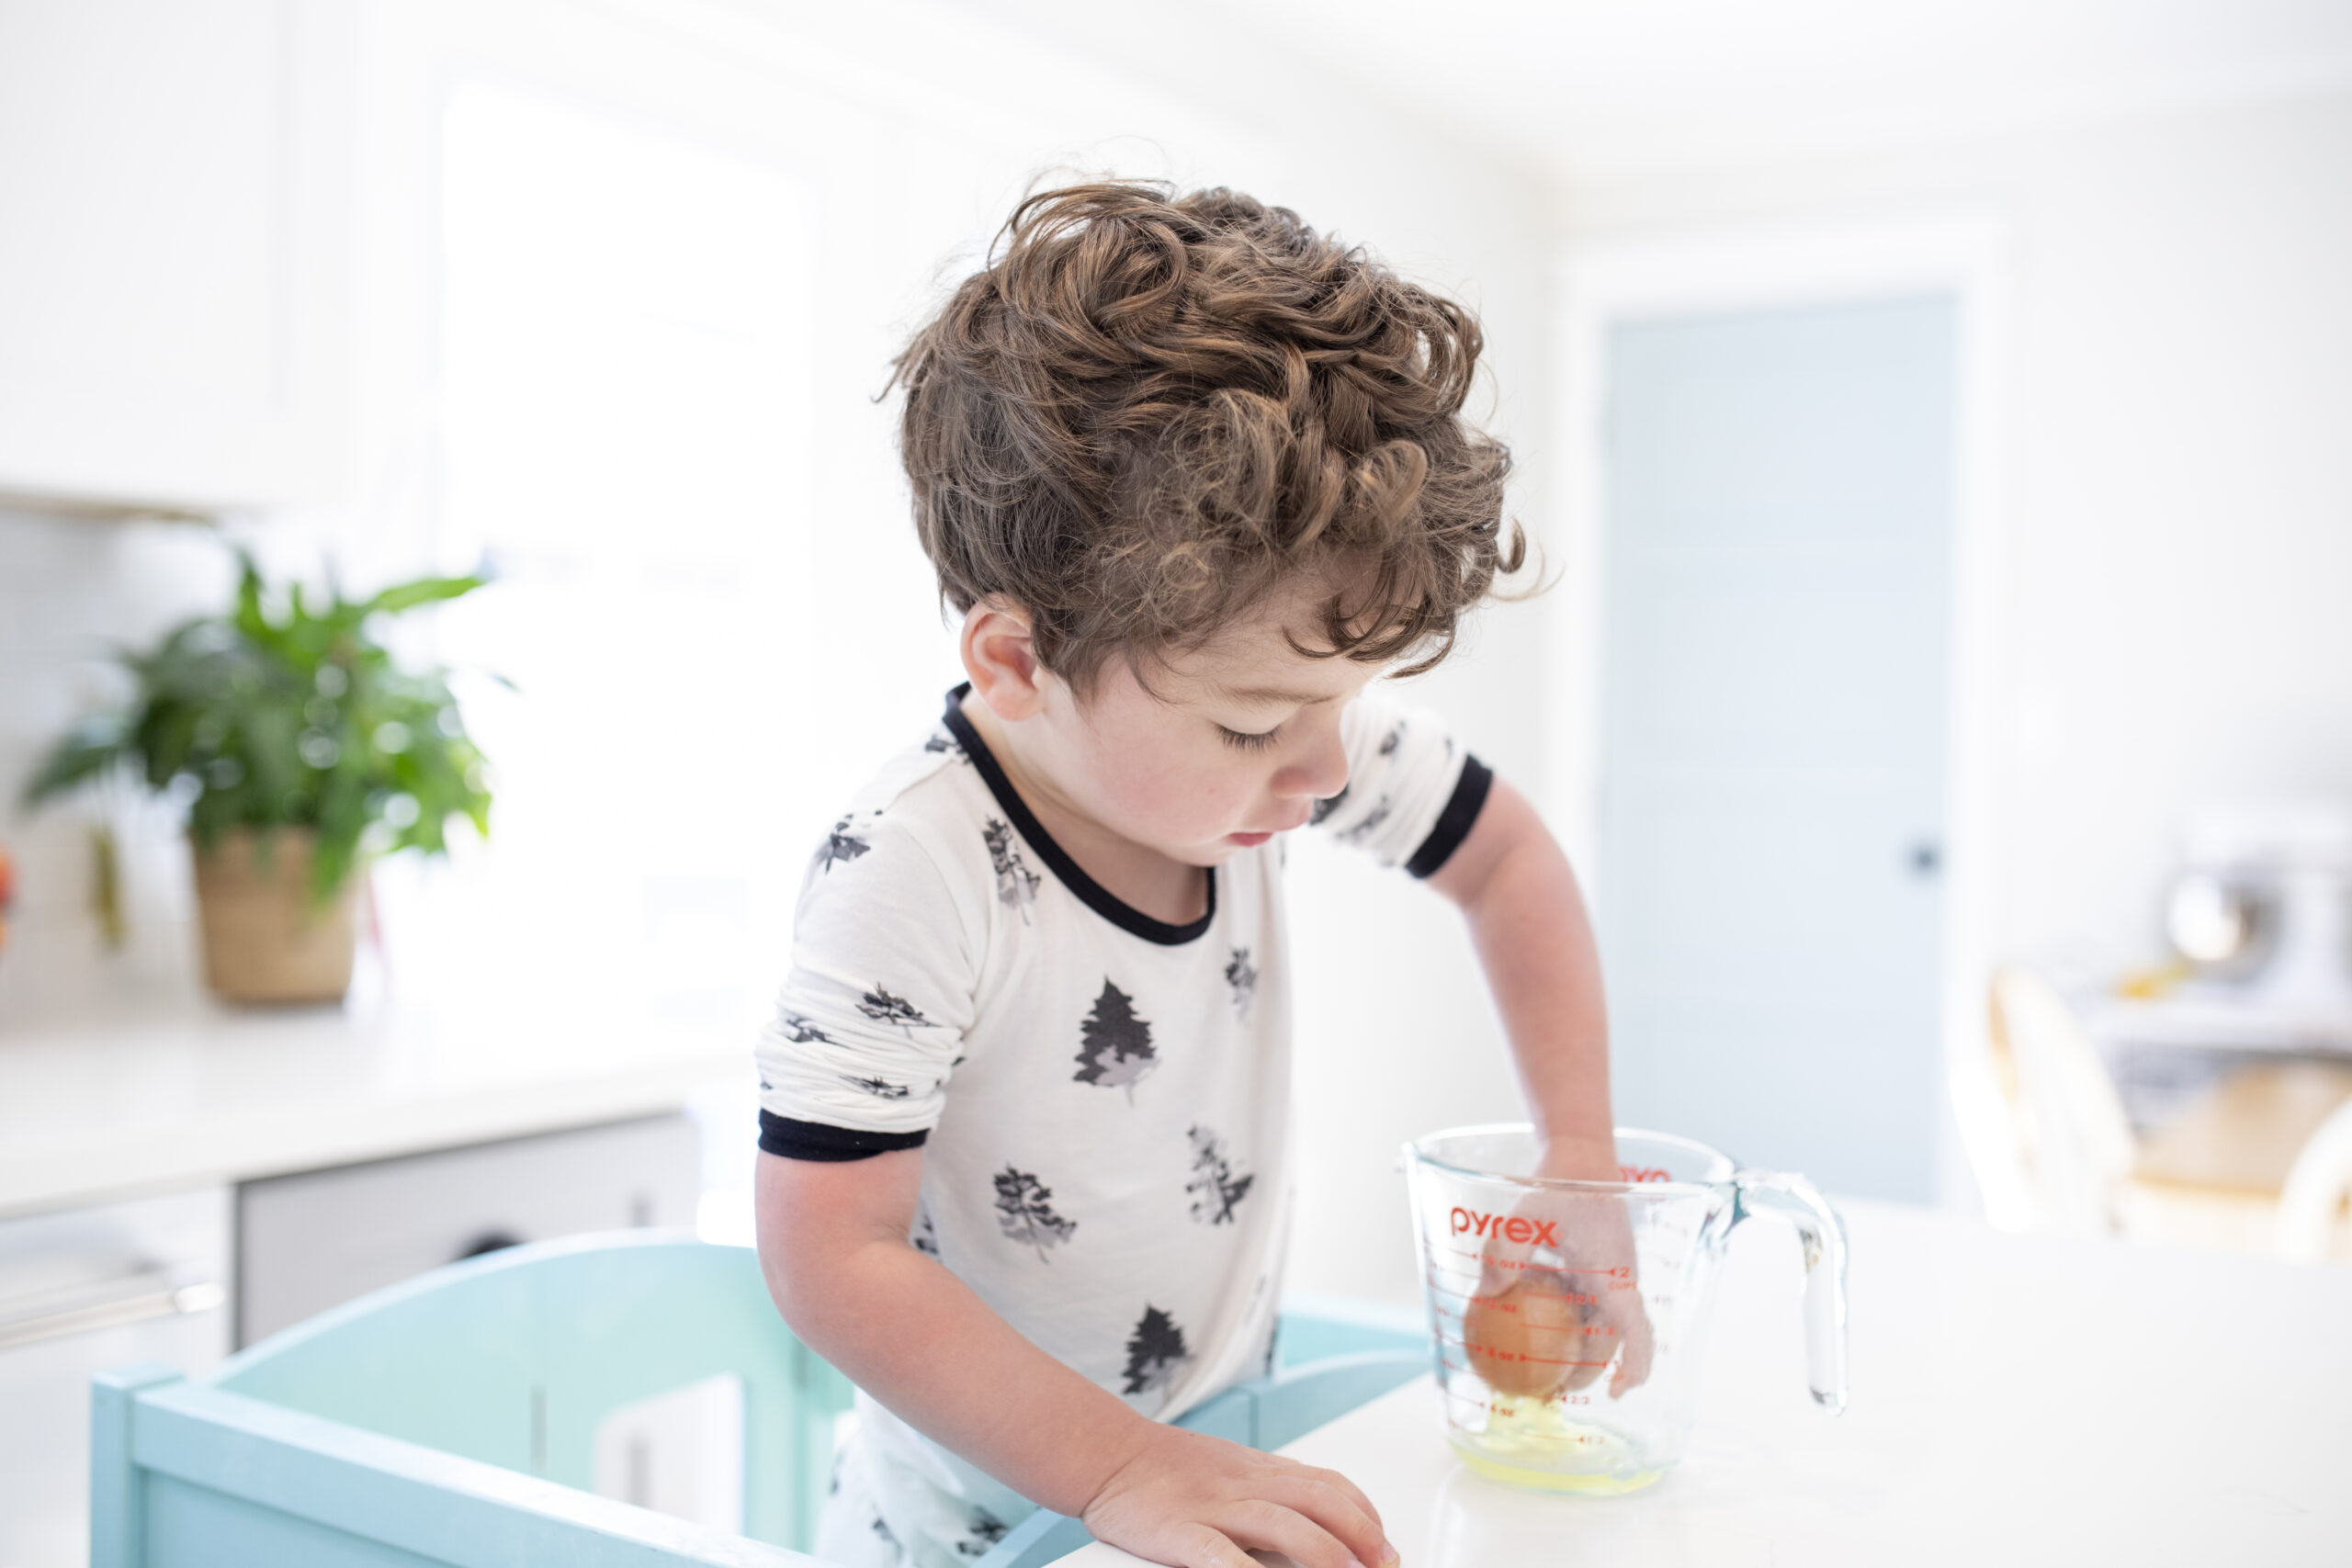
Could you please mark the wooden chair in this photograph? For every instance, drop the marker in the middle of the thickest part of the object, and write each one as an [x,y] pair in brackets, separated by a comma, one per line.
[2070,1133]
[2216,1176]
[453,1420]
[2313,1224]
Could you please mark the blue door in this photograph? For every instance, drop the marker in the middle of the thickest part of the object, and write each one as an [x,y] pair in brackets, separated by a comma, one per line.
[1777,543]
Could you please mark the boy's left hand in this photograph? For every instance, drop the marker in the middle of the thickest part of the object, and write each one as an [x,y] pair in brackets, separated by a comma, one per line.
[1553,1326]
[1599,1237]
[1543,1329]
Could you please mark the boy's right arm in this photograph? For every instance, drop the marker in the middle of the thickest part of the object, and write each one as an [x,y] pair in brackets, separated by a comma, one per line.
[834,1246]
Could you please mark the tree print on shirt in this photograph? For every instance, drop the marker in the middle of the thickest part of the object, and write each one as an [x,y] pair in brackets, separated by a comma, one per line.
[1154,1351]
[1115,1045]
[1357,832]
[880,1006]
[841,844]
[982,1534]
[1215,1189]
[943,740]
[1242,976]
[1325,807]
[923,1236]
[799,1031]
[1016,884]
[1023,1214]
[880,1089]
[1388,742]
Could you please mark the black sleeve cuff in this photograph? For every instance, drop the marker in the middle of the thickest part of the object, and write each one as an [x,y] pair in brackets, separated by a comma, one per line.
[1453,823]
[815,1140]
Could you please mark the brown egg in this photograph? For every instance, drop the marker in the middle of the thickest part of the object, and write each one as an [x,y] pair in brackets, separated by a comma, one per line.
[1531,1338]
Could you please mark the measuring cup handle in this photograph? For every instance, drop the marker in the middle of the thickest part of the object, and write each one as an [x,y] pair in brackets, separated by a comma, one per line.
[1800,1202]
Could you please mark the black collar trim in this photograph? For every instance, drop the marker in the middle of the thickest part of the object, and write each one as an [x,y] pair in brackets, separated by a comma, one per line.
[1095,897]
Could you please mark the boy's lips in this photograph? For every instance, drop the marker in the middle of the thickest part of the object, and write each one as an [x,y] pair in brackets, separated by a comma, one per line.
[1252,839]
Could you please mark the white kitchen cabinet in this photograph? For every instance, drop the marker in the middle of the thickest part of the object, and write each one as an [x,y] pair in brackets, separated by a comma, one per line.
[174,261]
[82,1290]
[308,1242]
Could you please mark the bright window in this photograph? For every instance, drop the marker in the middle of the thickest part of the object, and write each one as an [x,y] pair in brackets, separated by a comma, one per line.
[622,432]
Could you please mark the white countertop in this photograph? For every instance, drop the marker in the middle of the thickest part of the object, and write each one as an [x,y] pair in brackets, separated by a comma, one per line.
[104,1108]
[2016,1400]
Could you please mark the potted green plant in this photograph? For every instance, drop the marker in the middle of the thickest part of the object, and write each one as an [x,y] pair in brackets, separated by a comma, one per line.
[301,748]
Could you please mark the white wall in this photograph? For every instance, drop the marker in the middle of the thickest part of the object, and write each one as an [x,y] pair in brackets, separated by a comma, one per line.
[2178,481]
[916,127]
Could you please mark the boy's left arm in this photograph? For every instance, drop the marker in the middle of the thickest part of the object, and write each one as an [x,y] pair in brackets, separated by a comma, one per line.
[1528,921]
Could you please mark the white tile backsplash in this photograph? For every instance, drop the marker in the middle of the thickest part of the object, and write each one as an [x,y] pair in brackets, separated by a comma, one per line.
[73,590]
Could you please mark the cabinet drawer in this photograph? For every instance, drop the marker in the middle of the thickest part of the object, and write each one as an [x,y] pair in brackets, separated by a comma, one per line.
[83,1290]
[308,1242]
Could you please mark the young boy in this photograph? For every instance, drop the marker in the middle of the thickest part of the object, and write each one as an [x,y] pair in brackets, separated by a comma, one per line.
[1194,475]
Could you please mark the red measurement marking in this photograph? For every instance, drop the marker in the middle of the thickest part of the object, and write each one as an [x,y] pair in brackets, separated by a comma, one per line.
[1641,1173]
[1549,1399]
[1621,1272]
[1516,1294]
[1591,1331]
[1521,1356]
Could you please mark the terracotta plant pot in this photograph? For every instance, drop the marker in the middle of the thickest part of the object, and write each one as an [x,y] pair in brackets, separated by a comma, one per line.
[263,941]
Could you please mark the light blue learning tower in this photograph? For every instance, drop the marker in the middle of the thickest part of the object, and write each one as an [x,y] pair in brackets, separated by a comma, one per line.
[449,1420]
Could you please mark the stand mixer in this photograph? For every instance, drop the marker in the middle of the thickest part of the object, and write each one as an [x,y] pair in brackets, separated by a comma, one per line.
[2264,913]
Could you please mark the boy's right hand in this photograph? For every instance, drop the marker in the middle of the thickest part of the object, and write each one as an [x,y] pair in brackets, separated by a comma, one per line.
[1200,1502]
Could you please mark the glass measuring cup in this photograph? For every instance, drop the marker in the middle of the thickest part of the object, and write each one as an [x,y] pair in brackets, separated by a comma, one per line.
[1568,1315]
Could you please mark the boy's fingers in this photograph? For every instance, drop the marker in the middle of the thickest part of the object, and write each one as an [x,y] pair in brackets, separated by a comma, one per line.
[1349,1519]
[1579,1377]
[1634,1364]
[1354,1493]
[1205,1548]
[1586,1346]
[1269,1527]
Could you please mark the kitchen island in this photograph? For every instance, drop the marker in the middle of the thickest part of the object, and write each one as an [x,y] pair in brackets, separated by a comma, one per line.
[2017,1400]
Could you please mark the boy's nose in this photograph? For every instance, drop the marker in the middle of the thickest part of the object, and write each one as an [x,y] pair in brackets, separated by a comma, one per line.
[1319,774]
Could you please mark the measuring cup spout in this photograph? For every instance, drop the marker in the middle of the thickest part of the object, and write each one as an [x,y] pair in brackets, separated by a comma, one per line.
[1797,1201]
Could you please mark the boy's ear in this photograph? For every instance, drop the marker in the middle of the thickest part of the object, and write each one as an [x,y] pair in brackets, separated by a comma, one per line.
[1002,659]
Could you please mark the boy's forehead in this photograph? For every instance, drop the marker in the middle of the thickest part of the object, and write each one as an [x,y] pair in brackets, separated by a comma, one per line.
[1257,659]
[1269,696]
[1259,664]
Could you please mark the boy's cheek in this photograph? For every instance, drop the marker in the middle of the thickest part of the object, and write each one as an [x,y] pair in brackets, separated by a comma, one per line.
[1182,808]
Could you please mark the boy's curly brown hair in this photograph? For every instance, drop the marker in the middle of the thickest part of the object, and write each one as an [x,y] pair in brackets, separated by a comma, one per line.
[1148,412]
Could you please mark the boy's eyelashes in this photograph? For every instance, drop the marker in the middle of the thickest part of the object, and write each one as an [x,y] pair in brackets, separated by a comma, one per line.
[1242,740]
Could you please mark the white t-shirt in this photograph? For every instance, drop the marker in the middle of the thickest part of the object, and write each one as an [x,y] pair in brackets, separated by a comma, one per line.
[1102,1097]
